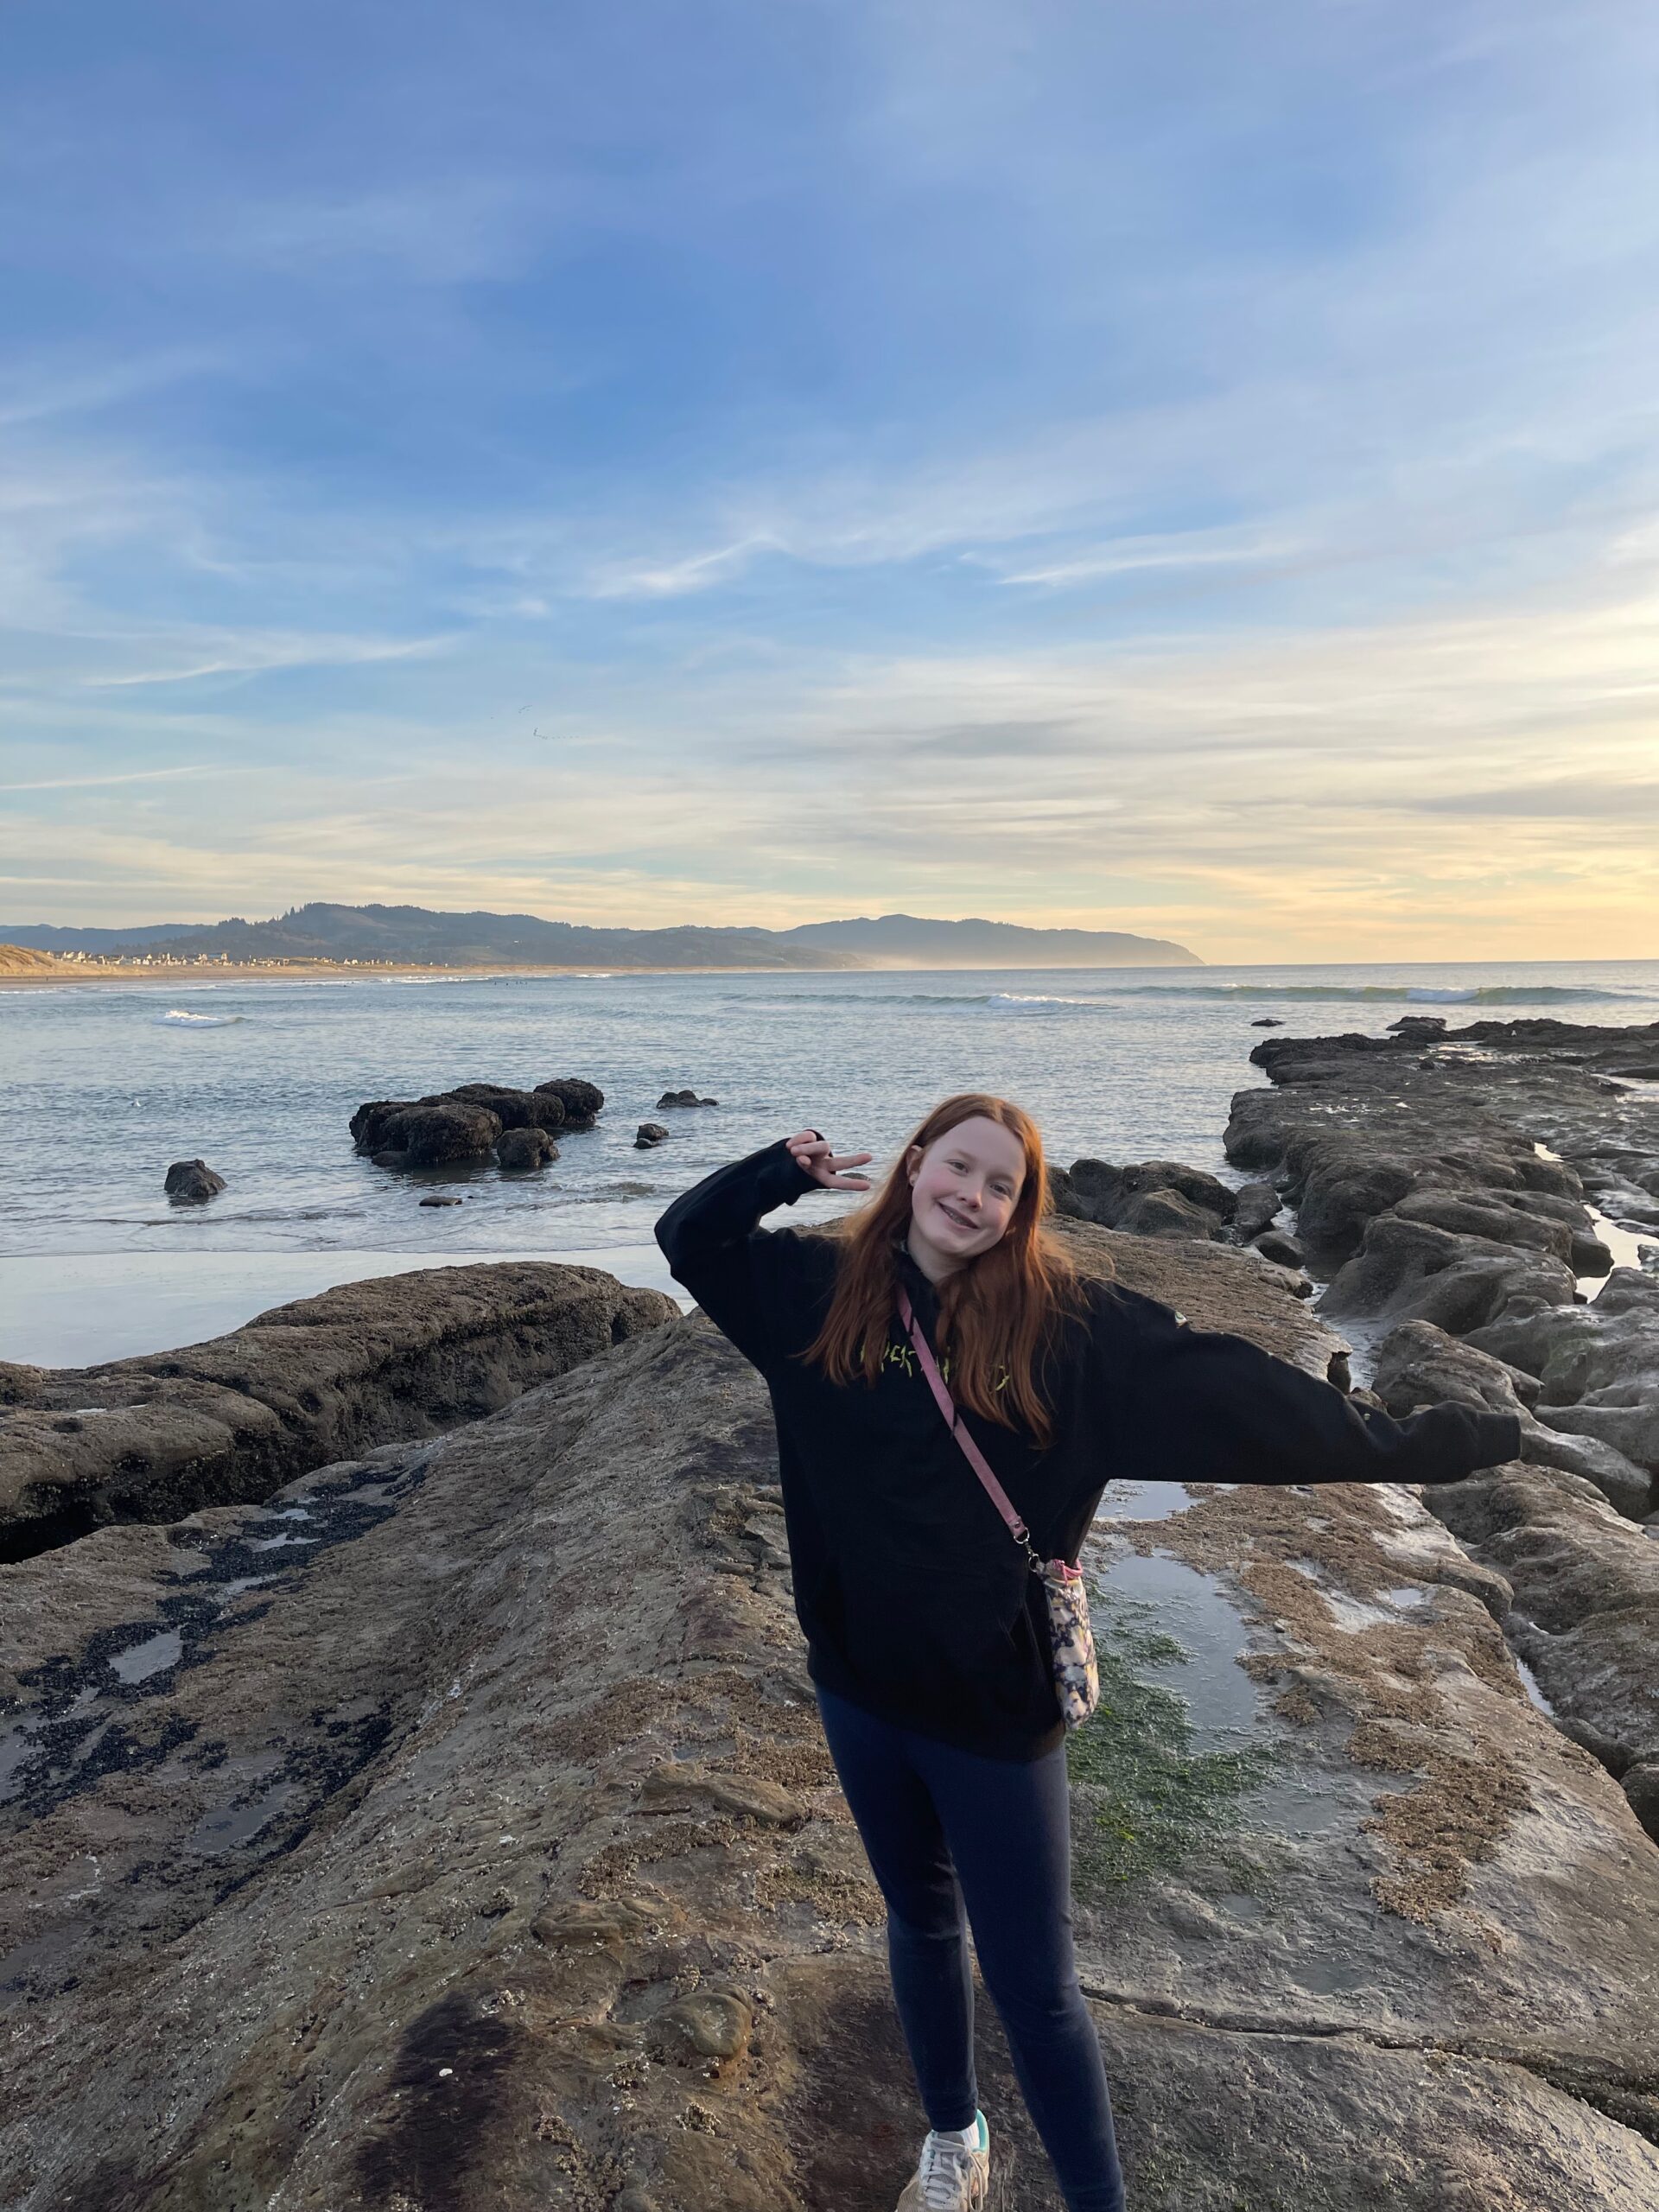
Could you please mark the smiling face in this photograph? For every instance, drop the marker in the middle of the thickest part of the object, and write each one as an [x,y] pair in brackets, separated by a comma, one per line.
[963,1190]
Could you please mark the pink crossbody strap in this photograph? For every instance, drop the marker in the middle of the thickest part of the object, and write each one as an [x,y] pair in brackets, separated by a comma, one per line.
[947,1406]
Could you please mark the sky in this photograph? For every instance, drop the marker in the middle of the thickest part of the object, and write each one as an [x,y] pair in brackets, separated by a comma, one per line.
[1159,464]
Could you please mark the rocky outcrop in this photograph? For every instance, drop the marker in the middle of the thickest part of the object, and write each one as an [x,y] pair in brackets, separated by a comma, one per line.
[520,1151]
[457,1831]
[1585,1617]
[683,1098]
[649,1134]
[192,1182]
[398,1357]
[468,1123]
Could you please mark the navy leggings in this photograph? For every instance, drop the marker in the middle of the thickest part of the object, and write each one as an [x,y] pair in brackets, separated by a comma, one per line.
[945,1828]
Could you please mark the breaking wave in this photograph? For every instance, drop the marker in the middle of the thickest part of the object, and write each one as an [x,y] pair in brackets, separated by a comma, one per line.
[177,1018]
[1100,1001]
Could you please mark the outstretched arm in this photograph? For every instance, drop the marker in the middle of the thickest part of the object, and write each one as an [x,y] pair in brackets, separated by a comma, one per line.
[712,1242]
[1206,1406]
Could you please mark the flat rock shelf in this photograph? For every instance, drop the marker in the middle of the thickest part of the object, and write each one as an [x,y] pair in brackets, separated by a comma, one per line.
[452,1827]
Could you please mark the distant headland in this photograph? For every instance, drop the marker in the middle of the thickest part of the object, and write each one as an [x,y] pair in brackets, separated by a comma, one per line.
[327,937]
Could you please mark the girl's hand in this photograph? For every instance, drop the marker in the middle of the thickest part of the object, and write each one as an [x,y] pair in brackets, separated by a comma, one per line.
[812,1153]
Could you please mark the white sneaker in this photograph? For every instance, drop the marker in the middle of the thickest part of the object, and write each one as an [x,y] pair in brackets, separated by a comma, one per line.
[953,2175]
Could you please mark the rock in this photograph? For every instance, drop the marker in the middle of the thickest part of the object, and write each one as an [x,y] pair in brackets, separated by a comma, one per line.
[1627,1488]
[581,1102]
[347,1838]
[1597,1366]
[1417,1364]
[521,1151]
[439,1135]
[1063,1196]
[514,1110]
[1267,1021]
[1642,1788]
[465,1122]
[1256,1206]
[1162,1213]
[1411,1271]
[1498,1219]
[708,2024]
[1339,1373]
[397,1356]
[1283,1250]
[192,1182]
[684,1787]
[440,1202]
[1155,1198]
[1586,1584]
[649,1134]
[683,1098]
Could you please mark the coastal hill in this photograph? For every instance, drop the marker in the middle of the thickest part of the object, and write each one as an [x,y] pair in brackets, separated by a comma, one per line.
[321,931]
[23,960]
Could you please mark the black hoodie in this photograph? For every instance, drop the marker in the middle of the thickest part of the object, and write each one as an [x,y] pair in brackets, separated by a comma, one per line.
[916,1602]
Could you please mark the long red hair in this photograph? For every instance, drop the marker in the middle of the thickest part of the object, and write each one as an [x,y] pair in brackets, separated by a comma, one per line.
[999,1316]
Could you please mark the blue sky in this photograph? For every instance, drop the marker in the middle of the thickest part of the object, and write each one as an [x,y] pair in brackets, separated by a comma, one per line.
[1176,467]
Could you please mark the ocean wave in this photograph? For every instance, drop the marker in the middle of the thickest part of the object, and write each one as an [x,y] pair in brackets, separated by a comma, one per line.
[177,1018]
[1424,994]
[1101,1001]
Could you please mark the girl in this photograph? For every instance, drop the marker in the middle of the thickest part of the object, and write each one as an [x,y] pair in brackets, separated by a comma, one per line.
[927,1633]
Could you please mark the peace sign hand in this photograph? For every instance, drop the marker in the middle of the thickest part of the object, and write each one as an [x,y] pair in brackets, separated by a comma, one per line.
[812,1153]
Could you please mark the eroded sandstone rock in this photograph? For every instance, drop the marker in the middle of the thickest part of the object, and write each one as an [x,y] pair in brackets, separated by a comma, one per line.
[397,1356]
[374,1896]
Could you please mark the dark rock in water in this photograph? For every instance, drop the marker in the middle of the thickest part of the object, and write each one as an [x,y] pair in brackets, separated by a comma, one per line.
[515,1110]
[440,1202]
[465,1122]
[1153,1197]
[399,1356]
[434,1136]
[1339,1372]
[581,1101]
[1419,1028]
[650,1133]
[192,1182]
[1256,1207]
[1274,1245]
[1267,1022]
[370,1122]
[521,1151]
[683,1098]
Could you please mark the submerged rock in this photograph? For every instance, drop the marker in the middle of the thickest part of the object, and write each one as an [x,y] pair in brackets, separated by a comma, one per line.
[488,1851]
[192,1182]
[683,1098]
[649,1134]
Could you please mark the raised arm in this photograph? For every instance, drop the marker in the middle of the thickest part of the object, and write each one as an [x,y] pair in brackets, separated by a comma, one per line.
[1206,1406]
[714,1245]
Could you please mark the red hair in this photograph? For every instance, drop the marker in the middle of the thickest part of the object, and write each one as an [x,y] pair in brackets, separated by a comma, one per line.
[1000,1315]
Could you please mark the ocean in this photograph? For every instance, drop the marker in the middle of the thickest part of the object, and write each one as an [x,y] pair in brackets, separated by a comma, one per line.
[102,1084]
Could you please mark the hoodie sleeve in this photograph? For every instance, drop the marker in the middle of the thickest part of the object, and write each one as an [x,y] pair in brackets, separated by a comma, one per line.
[714,1246]
[1206,1407]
